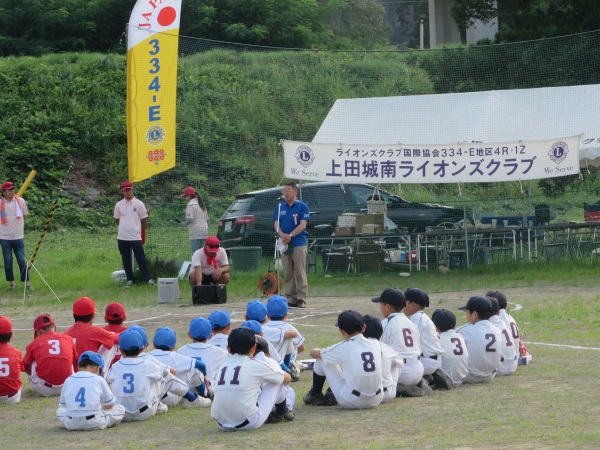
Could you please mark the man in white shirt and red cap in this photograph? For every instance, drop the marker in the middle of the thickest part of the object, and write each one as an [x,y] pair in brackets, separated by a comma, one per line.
[210,264]
[13,210]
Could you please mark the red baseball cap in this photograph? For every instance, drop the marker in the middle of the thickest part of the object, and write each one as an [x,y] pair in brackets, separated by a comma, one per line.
[114,311]
[7,185]
[5,325]
[188,191]
[126,185]
[41,321]
[213,242]
[84,306]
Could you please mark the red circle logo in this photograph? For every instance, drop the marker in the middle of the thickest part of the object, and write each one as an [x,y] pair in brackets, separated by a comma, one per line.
[166,16]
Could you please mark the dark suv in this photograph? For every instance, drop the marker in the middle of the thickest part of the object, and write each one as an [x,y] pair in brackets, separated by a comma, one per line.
[249,220]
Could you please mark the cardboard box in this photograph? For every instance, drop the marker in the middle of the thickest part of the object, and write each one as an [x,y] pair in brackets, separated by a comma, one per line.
[363,219]
[345,231]
[371,228]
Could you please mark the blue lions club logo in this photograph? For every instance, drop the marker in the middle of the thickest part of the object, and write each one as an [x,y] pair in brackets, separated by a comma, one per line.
[304,155]
[558,152]
[155,135]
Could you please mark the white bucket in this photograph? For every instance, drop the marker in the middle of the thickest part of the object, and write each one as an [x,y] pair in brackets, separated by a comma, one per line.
[119,276]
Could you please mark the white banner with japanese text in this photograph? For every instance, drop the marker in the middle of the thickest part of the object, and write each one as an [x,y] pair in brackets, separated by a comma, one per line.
[452,163]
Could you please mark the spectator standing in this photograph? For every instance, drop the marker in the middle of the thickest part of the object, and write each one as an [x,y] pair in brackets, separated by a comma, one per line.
[196,218]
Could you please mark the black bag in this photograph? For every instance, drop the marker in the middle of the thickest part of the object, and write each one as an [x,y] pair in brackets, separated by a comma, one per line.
[211,294]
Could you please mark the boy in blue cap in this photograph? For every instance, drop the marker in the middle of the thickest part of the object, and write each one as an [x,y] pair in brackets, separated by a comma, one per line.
[189,370]
[277,310]
[221,327]
[212,356]
[86,401]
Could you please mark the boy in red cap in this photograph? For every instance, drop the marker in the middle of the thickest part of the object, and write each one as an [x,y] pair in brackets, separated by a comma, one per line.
[88,337]
[114,315]
[11,365]
[210,264]
[130,215]
[50,359]
[13,211]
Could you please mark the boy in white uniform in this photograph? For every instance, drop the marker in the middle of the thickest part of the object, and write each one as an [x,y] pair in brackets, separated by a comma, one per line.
[483,339]
[510,354]
[246,390]
[352,367]
[86,401]
[221,327]
[509,320]
[431,357]
[455,360]
[189,370]
[136,382]
[212,356]
[391,360]
[403,336]
[277,310]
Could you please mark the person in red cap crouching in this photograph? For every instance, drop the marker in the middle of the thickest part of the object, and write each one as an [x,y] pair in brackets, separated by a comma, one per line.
[196,217]
[11,365]
[88,337]
[130,216]
[13,211]
[210,264]
[50,358]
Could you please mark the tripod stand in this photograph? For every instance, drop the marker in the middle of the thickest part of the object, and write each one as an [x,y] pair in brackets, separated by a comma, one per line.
[43,279]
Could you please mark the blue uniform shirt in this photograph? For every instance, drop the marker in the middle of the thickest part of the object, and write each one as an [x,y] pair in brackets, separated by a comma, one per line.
[290,218]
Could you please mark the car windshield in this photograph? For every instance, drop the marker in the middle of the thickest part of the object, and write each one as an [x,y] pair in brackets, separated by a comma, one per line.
[362,194]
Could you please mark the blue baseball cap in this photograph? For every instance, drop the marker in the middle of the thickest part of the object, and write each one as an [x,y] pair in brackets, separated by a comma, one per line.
[256,310]
[93,357]
[219,319]
[253,325]
[131,340]
[200,328]
[277,307]
[142,332]
[165,337]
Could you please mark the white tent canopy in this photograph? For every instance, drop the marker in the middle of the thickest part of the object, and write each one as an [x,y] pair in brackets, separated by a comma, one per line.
[490,116]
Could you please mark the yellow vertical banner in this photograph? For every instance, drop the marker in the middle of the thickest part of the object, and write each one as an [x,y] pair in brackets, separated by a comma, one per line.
[152,47]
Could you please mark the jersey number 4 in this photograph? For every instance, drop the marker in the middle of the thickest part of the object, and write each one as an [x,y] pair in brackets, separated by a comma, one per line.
[80,397]
[234,379]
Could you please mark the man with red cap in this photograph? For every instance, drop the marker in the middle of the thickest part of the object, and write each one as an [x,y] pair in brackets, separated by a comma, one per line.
[13,211]
[50,358]
[130,216]
[11,367]
[88,337]
[210,264]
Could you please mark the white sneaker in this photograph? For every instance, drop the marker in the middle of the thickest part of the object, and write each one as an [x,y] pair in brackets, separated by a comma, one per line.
[161,408]
[151,282]
[200,402]
[128,284]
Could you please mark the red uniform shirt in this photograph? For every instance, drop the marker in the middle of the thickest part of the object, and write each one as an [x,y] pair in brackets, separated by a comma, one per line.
[11,366]
[55,357]
[88,337]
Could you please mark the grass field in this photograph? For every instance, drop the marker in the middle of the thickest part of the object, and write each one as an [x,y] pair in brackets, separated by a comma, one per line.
[551,403]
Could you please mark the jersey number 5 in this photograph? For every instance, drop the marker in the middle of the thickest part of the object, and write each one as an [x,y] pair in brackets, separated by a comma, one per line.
[4,368]
[234,380]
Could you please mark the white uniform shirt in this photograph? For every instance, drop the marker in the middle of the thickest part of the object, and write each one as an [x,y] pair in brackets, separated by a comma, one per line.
[84,393]
[134,381]
[430,341]
[211,355]
[455,360]
[286,346]
[199,258]
[198,229]
[512,327]
[360,360]
[184,365]
[14,227]
[402,335]
[130,215]
[391,362]
[237,385]
[219,340]
[484,343]
[510,354]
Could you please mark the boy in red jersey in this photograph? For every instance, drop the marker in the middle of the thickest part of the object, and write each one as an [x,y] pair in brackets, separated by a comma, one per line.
[11,365]
[50,358]
[114,315]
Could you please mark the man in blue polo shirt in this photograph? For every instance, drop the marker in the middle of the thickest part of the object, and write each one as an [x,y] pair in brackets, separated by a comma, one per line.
[291,218]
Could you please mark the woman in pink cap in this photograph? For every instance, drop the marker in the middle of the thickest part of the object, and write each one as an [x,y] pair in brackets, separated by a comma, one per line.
[196,218]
